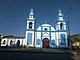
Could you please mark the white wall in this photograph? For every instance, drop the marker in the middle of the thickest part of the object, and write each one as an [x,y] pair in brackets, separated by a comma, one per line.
[22,41]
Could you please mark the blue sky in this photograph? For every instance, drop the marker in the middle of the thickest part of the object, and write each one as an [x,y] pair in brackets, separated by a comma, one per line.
[14,13]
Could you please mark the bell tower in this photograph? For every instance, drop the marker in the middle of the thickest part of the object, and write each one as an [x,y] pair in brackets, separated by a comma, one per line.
[61,29]
[30,29]
[30,21]
[61,23]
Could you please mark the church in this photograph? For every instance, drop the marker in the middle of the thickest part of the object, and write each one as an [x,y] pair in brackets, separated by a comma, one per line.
[45,36]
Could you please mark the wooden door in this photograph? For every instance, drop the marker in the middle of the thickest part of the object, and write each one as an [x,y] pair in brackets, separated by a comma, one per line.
[45,43]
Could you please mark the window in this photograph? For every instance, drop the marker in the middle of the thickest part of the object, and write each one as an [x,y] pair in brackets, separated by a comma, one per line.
[30,25]
[29,38]
[53,42]
[63,39]
[11,42]
[45,29]
[38,42]
[4,42]
[61,25]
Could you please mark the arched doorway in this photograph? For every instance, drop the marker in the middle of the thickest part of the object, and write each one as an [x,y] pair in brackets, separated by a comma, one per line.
[45,43]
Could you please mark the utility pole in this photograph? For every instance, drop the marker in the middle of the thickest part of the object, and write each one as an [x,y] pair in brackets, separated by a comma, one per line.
[69,29]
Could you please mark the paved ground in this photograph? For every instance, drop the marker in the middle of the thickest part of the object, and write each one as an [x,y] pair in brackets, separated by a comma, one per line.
[34,56]
[38,54]
[76,55]
[34,50]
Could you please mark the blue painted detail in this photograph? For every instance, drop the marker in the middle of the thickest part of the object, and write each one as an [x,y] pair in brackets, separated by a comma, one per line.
[38,42]
[53,42]
[61,21]
[29,39]
[59,24]
[63,39]
[61,30]
[29,29]
[52,31]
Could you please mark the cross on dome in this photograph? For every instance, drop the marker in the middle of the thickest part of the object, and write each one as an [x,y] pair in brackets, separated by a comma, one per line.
[45,22]
[31,14]
[60,10]
[32,9]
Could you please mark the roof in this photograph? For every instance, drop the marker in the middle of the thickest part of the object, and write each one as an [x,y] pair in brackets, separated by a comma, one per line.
[11,36]
[45,25]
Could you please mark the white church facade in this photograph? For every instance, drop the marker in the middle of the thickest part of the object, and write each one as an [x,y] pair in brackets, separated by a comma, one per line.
[45,36]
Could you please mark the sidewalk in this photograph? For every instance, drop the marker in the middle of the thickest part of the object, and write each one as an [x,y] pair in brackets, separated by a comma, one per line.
[76,55]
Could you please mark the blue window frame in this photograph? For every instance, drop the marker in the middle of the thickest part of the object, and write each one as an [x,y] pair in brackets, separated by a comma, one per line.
[29,38]
[38,42]
[63,39]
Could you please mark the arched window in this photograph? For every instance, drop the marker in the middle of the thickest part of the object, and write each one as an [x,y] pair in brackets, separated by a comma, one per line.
[4,42]
[30,25]
[53,42]
[61,26]
[45,29]
[38,42]
[11,42]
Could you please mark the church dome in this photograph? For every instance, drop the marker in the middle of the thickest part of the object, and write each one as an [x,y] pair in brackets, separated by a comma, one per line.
[45,25]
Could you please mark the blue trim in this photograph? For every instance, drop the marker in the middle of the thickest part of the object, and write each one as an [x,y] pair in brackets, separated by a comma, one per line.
[59,24]
[63,39]
[61,21]
[44,31]
[38,42]
[30,20]
[53,42]
[61,30]
[29,29]
[52,31]
[29,39]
